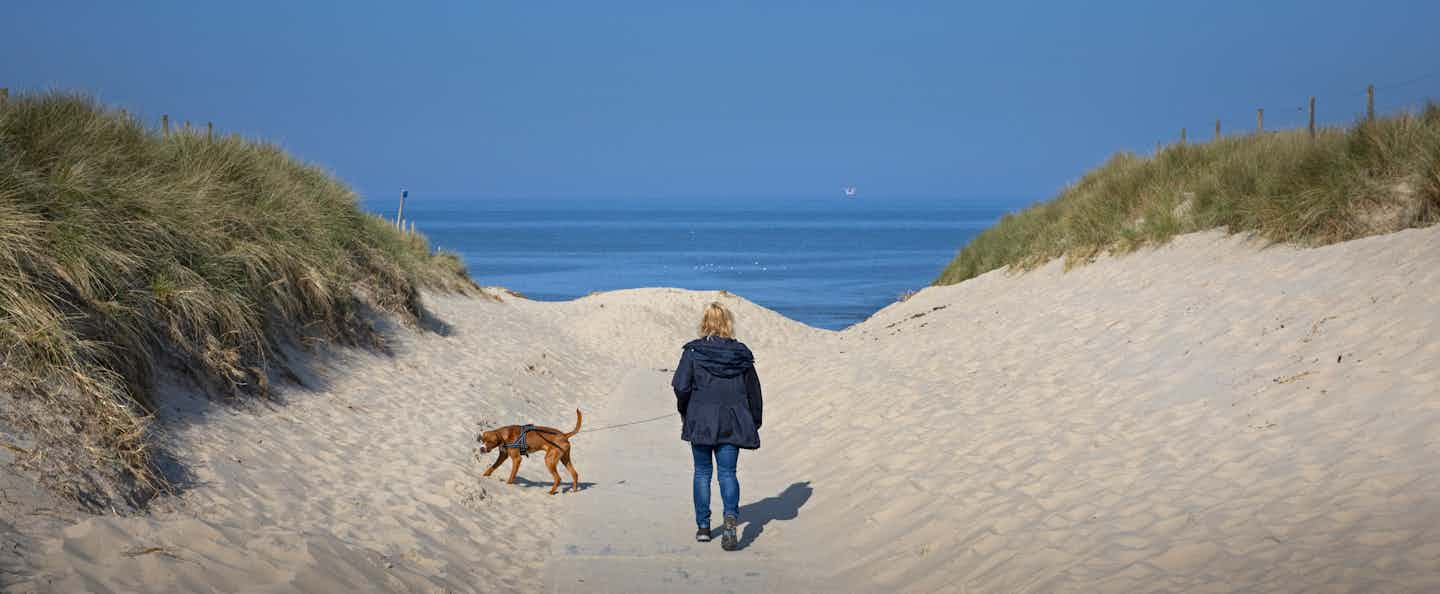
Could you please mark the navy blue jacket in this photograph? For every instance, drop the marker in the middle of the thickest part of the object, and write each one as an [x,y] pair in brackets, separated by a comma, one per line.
[718,393]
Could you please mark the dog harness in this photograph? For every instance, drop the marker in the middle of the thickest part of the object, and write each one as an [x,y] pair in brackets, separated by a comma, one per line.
[519,443]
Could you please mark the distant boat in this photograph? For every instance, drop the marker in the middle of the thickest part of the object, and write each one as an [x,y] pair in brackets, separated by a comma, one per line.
[849,191]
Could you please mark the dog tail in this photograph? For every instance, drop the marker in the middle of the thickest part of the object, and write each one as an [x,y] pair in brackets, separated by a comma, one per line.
[578,419]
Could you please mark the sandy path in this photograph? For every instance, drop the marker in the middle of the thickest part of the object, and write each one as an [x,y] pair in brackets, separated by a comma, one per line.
[632,531]
[1207,416]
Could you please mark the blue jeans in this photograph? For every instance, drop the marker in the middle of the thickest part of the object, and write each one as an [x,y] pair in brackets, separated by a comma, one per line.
[726,456]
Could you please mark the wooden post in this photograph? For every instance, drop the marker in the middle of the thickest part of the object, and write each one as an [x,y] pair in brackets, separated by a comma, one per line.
[209,130]
[165,124]
[1370,103]
[1182,136]
[1260,120]
[1312,117]
[400,214]
[1217,129]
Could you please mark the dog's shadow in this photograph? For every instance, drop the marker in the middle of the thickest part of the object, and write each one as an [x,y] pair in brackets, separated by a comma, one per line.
[521,481]
[785,506]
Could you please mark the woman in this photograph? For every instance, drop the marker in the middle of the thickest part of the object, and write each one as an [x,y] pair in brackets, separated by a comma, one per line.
[718,395]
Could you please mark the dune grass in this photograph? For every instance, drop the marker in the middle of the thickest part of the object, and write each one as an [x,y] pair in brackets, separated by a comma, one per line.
[124,252]
[1370,178]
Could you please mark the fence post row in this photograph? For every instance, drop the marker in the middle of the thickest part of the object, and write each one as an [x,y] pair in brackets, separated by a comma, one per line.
[400,214]
[1310,126]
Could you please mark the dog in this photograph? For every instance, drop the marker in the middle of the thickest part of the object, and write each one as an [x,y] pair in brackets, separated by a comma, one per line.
[555,444]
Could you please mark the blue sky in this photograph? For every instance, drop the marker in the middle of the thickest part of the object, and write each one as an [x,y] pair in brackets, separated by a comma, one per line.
[695,100]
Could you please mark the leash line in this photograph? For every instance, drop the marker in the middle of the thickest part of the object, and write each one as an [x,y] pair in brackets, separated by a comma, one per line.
[616,426]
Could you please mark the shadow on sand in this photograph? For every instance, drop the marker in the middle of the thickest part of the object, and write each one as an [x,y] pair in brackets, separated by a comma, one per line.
[784,507]
[521,481]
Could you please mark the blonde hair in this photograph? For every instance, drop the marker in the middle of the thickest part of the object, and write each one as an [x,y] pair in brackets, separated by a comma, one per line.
[717,321]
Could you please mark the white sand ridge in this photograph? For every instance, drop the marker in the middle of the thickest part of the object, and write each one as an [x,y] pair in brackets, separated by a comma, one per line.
[1206,416]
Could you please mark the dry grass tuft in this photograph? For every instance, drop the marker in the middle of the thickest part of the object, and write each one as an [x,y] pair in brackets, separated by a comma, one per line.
[122,251]
[1373,177]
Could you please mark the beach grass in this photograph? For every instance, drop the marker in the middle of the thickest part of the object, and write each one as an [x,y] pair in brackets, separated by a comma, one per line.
[125,251]
[1344,183]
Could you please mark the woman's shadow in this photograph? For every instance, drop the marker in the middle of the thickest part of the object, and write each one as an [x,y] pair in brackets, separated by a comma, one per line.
[785,506]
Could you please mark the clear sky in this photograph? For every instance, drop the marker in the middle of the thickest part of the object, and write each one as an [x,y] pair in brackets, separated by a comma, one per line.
[701,100]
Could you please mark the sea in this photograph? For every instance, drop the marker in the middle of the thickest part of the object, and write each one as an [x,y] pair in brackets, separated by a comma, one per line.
[827,262]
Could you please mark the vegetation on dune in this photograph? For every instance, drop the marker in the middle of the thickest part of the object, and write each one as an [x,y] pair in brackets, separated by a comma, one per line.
[1373,177]
[124,251]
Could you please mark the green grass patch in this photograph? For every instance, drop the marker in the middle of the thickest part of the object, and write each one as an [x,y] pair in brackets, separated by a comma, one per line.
[124,251]
[1370,178]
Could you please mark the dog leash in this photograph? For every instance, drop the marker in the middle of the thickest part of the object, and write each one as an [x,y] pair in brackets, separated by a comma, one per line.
[617,426]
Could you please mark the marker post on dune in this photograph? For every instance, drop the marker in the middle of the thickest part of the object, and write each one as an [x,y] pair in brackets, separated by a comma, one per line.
[1369,103]
[1312,118]
[400,214]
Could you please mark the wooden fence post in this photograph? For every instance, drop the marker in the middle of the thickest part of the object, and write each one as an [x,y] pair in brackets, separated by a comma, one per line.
[1312,117]
[1182,136]
[1370,103]
[209,130]
[1260,120]
[1217,129]
[400,214]
[165,124]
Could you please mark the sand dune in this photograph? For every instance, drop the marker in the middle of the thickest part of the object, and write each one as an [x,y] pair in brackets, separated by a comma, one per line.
[1207,416]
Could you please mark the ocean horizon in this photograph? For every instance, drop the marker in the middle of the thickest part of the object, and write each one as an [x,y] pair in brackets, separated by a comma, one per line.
[827,262]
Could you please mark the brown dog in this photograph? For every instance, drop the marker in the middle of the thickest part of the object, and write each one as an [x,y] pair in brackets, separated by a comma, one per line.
[555,443]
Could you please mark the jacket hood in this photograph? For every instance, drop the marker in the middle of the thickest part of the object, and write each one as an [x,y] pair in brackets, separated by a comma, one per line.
[721,357]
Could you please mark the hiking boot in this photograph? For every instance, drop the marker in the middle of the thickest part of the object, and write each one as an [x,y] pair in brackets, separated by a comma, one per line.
[728,540]
[703,534]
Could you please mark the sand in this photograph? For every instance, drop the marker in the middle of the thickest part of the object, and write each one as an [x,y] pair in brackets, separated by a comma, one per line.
[1212,415]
